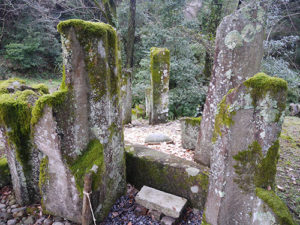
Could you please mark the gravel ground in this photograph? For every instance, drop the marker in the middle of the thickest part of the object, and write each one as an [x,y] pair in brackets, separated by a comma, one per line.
[124,212]
[127,212]
[136,133]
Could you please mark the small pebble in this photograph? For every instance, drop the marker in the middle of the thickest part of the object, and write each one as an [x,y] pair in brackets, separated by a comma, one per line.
[11,222]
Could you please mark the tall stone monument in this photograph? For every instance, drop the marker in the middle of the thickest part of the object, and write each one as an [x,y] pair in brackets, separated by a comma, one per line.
[78,128]
[160,75]
[238,54]
[245,155]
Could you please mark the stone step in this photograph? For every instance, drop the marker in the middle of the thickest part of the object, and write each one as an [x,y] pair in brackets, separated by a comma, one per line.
[168,204]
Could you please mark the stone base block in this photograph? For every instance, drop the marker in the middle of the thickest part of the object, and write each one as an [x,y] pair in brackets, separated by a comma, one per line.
[167,173]
[160,201]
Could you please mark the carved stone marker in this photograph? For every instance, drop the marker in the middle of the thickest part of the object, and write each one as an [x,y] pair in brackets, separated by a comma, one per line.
[160,75]
[238,54]
[245,154]
[79,127]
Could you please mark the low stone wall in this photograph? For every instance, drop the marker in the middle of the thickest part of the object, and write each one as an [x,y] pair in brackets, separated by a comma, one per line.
[167,173]
[190,127]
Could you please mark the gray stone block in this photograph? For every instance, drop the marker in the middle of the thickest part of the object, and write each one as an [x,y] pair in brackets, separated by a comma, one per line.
[166,203]
[146,166]
[190,128]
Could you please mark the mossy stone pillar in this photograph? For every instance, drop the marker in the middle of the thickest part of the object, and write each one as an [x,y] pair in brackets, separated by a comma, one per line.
[245,154]
[79,128]
[238,55]
[126,96]
[160,75]
[16,102]
[148,101]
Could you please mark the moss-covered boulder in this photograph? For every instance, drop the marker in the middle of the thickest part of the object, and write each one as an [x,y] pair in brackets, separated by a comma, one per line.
[238,55]
[16,102]
[245,155]
[78,128]
[160,76]
[190,127]
[5,178]
[167,173]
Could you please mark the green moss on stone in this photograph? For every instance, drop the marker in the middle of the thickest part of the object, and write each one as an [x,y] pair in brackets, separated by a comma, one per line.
[54,99]
[98,69]
[255,170]
[85,29]
[261,84]
[4,172]
[266,169]
[223,117]
[159,57]
[15,115]
[91,158]
[204,222]
[246,167]
[41,88]
[9,83]
[277,205]
[44,175]
[194,121]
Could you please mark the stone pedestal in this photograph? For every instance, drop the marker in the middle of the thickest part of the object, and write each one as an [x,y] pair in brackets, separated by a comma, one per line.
[79,128]
[160,75]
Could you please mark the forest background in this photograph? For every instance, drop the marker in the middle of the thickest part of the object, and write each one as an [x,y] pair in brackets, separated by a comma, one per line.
[30,45]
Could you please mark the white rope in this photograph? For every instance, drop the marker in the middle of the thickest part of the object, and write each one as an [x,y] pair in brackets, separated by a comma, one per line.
[88,196]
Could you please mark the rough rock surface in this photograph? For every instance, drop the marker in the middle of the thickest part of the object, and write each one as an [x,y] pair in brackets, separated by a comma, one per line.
[238,54]
[167,173]
[245,154]
[76,130]
[160,76]
[168,204]
[190,128]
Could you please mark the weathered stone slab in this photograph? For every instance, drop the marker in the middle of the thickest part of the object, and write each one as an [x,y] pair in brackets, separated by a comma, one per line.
[245,154]
[238,54]
[76,130]
[157,138]
[160,76]
[190,128]
[168,204]
[167,173]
